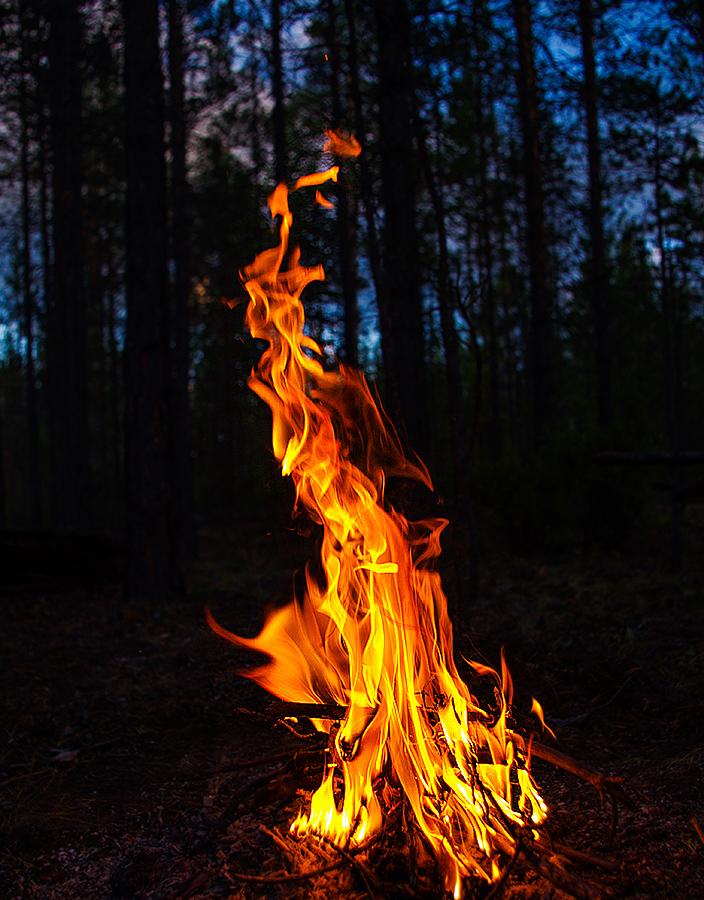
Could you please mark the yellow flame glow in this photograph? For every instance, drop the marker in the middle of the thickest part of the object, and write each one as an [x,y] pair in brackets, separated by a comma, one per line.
[373,635]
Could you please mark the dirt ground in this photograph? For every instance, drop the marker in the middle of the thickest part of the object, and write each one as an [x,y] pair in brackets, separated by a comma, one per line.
[125,733]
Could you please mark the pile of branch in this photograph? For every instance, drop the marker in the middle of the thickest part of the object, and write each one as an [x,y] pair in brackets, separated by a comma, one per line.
[307,860]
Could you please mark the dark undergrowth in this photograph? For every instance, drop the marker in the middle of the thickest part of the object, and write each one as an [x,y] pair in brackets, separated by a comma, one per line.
[122,736]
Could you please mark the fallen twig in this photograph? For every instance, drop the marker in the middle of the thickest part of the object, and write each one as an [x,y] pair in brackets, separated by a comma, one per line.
[264,761]
[371,883]
[603,783]
[276,838]
[251,763]
[193,883]
[578,855]
[282,879]
[562,880]
[697,828]
[499,885]
[227,816]
[283,709]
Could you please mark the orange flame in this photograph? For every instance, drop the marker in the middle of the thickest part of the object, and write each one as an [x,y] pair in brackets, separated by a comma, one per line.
[341,145]
[373,635]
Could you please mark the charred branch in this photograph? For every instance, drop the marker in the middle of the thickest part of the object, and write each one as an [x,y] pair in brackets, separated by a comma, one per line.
[280,709]
[562,879]
[228,815]
[283,879]
[604,784]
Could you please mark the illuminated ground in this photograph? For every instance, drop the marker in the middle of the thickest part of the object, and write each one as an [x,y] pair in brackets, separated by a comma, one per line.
[119,746]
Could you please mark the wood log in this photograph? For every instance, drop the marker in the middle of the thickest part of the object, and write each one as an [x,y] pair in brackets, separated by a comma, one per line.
[281,709]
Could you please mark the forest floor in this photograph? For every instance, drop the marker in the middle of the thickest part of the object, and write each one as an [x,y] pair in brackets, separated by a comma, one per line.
[123,736]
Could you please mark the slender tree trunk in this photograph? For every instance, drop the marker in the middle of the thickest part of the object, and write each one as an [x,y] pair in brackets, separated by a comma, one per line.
[96,282]
[400,236]
[541,355]
[3,492]
[456,420]
[67,366]
[447,310]
[666,302]
[181,282]
[599,279]
[277,78]
[345,218]
[34,467]
[44,225]
[671,363]
[373,244]
[511,366]
[153,559]
[487,250]
[116,456]
[254,121]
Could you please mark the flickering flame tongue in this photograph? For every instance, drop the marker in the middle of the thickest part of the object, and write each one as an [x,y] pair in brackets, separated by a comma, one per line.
[373,635]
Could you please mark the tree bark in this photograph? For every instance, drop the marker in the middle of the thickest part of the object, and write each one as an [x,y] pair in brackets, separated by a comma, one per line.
[3,491]
[599,279]
[486,243]
[67,366]
[407,352]
[181,281]
[345,211]
[254,119]
[28,311]
[153,559]
[446,305]
[114,397]
[510,365]
[541,350]
[277,78]
[671,347]
[373,243]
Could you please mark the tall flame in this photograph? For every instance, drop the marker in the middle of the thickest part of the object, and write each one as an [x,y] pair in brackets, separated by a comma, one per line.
[373,633]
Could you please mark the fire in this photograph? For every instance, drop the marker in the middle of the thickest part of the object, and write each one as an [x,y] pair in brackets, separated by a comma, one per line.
[373,633]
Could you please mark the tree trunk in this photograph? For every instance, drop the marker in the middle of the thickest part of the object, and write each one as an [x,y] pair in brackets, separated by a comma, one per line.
[67,367]
[115,393]
[671,350]
[181,281]
[277,78]
[44,216]
[28,313]
[346,218]
[153,559]
[541,351]
[254,120]
[373,247]
[599,281]
[3,493]
[511,365]
[487,249]
[447,309]
[407,352]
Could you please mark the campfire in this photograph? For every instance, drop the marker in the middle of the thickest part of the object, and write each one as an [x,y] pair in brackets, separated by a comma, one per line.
[371,637]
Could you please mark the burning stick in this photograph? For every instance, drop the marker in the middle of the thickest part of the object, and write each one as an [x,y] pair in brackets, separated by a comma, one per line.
[371,640]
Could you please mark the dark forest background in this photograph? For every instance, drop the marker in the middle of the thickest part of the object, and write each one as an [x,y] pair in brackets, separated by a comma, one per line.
[515,259]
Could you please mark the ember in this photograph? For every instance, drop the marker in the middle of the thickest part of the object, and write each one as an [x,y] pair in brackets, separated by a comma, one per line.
[373,634]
